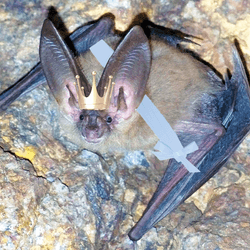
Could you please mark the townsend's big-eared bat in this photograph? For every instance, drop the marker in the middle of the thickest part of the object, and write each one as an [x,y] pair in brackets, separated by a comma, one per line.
[192,98]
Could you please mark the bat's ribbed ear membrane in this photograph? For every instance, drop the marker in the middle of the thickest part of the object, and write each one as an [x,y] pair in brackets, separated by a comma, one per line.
[59,65]
[130,67]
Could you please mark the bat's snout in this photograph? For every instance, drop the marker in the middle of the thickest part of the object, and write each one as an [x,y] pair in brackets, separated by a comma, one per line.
[92,134]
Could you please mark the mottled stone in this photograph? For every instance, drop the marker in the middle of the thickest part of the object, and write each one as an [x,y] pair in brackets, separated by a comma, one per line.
[55,196]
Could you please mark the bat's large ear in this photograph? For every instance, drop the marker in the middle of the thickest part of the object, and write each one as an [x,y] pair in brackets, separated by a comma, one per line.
[60,68]
[130,67]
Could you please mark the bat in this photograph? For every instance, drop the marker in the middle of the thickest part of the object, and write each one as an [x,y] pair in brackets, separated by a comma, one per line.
[146,60]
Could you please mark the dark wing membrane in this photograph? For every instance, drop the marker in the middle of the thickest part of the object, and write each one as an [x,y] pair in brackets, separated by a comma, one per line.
[177,184]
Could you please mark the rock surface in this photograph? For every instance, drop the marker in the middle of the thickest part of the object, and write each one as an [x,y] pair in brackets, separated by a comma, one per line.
[54,196]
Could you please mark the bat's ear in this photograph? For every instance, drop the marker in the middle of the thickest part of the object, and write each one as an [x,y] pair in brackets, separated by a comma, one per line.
[130,67]
[60,68]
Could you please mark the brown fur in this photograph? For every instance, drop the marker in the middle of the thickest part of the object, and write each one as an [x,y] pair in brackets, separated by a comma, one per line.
[176,84]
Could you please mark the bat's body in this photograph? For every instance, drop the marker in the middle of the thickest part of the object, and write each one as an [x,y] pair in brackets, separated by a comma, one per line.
[192,98]
[175,104]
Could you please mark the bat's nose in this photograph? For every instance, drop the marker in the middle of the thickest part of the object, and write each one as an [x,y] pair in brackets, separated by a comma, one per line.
[92,128]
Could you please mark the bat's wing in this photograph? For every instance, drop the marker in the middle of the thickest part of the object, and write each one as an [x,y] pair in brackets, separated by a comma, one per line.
[170,36]
[216,144]
[33,79]
[83,38]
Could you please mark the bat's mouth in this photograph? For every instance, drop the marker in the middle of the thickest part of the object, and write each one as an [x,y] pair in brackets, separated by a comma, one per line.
[92,136]
[93,141]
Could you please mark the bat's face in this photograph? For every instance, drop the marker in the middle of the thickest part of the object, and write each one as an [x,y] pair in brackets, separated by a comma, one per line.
[129,65]
[95,126]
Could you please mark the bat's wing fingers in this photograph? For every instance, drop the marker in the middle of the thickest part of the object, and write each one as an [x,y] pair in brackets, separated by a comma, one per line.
[215,147]
[177,182]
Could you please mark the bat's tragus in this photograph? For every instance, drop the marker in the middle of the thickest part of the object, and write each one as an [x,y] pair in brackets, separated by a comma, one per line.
[94,101]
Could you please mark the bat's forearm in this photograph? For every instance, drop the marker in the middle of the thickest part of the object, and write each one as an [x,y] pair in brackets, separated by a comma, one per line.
[33,79]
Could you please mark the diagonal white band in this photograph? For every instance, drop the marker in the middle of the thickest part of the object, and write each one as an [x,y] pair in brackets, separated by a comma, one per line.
[102,52]
[169,144]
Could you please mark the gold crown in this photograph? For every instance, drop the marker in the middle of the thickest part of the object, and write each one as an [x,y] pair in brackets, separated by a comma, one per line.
[94,101]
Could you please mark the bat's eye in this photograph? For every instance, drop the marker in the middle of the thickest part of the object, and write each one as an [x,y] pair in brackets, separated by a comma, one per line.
[108,119]
[81,117]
